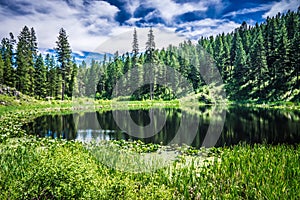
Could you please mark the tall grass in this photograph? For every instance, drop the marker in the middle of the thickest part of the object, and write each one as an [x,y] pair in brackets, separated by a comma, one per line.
[34,168]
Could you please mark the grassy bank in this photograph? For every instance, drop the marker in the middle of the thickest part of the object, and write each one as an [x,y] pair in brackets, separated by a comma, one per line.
[34,168]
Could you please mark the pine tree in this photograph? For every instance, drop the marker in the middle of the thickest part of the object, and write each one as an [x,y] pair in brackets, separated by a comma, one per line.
[51,75]
[26,53]
[135,44]
[219,53]
[226,71]
[259,64]
[281,63]
[92,79]
[102,83]
[296,58]
[270,33]
[33,42]
[73,85]
[239,67]
[295,54]
[40,78]
[63,51]
[150,47]
[7,46]
[245,35]
[1,70]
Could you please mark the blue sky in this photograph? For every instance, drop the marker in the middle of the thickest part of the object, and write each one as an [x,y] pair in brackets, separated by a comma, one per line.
[100,25]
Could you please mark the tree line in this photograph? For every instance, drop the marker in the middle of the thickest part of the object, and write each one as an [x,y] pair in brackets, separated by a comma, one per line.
[256,63]
[22,67]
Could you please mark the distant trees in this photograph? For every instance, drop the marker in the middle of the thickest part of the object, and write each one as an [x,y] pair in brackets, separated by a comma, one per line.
[259,63]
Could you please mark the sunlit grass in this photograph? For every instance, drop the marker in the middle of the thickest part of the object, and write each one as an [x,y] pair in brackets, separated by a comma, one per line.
[46,168]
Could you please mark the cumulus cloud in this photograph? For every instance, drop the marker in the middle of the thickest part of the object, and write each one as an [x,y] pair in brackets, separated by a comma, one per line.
[169,9]
[282,6]
[121,39]
[85,25]
[89,26]
[93,24]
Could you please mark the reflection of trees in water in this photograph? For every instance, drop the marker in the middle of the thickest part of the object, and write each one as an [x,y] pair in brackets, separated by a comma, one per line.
[251,125]
[53,126]
[256,125]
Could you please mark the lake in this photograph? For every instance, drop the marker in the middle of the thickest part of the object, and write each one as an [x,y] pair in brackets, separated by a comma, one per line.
[213,127]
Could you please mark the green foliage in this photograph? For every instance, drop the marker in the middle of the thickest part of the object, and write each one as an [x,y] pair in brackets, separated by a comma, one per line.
[34,168]
[63,51]
[26,54]
[1,70]
[7,45]
[40,78]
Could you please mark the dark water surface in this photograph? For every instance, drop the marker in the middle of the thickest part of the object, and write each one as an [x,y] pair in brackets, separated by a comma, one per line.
[246,125]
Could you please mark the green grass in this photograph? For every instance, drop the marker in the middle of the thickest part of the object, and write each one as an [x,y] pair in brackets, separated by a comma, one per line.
[34,168]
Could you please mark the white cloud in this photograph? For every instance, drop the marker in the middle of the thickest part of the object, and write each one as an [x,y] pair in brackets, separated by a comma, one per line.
[121,39]
[169,9]
[133,20]
[249,10]
[132,5]
[86,27]
[281,7]
[90,28]
[207,27]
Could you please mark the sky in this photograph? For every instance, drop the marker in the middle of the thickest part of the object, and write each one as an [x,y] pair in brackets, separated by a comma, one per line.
[107,26]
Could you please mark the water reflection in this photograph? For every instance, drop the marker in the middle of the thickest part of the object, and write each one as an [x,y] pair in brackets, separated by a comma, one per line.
[250,125]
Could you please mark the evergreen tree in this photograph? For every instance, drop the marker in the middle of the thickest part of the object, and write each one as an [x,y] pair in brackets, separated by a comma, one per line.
[281,63]
[259,64]
[73,86]
[135,45]
[26,53]
[63,51]
[7,46]
[219,54]
[270,33]
[51,75]
[239,67]
[40,78]
[150,47]
[92,79]
[33,43]
[1,70]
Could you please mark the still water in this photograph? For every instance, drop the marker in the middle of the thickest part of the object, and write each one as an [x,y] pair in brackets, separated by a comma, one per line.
[224,127]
